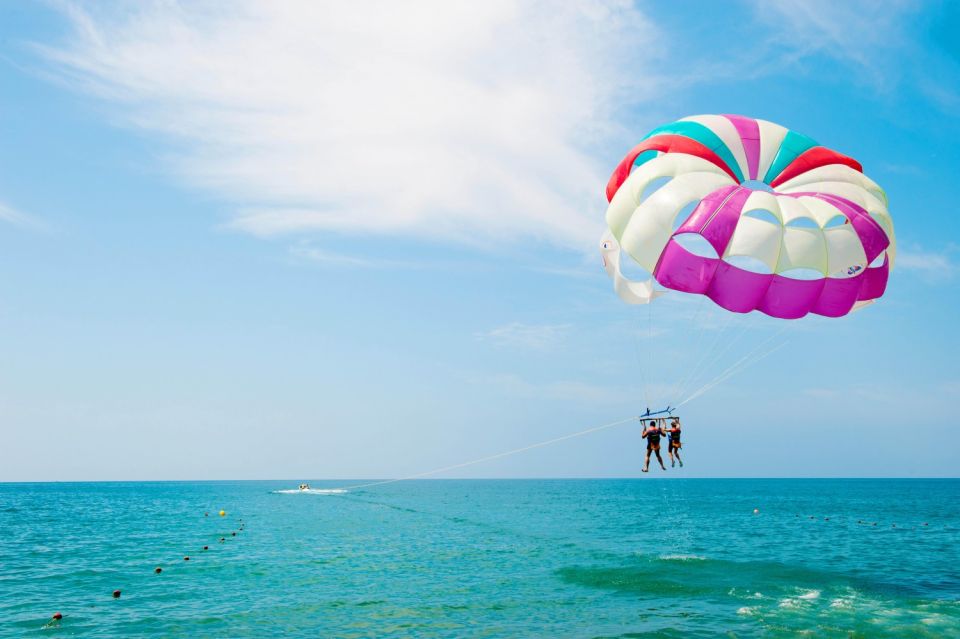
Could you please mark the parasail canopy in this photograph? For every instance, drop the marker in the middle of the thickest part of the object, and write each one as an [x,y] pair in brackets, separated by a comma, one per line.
[786,227]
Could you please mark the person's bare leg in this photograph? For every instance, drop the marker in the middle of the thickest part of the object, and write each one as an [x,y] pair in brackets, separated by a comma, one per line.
[678,458]
[660,459]
[646,462]
[672,462]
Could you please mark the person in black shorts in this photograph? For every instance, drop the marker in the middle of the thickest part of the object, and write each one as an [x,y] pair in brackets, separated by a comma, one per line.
[673,442]
[652,433]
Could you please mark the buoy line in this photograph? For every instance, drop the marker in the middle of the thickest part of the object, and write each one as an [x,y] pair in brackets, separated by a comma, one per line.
[57,617]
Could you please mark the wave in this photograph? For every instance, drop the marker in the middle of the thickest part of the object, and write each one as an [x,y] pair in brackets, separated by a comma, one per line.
[798,600]
[681,557]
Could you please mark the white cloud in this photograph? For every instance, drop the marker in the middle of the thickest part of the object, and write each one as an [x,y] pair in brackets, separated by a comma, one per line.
[11,215]
[563,390]
[865,35]
[930,264]
[331,258]
[951,388]
[464,120]
[854,395]
[876,43]
[529,336]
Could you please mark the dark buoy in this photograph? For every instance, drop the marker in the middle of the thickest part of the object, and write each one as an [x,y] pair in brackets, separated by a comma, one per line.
[826,519]
[222,540]
[116,594]
[57,616]
[158,570]
[206,547]
[233,534]
[186,558]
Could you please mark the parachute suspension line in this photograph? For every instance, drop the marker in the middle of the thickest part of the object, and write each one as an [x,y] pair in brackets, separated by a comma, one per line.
[712,347]
[733,372]
[697,369]
[738,366]
[496,456]
[718,358]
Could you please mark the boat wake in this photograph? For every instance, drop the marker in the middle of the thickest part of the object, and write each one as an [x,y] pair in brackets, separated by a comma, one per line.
[311,491]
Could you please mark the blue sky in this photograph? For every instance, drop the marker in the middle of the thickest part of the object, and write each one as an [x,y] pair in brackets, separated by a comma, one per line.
[309,242]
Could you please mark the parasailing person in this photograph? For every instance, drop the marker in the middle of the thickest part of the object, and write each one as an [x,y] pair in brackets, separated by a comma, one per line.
[673,442]
[652,433]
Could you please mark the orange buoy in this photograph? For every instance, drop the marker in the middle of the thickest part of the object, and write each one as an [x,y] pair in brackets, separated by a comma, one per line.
[57,616]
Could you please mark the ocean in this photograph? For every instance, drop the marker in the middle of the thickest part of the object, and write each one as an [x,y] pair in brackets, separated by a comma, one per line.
[477,558]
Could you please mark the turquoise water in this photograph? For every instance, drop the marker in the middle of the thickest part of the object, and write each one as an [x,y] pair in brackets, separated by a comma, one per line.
[561,558]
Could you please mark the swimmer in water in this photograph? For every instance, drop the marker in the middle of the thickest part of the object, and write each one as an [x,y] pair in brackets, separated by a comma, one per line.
[673,442]
[652,434]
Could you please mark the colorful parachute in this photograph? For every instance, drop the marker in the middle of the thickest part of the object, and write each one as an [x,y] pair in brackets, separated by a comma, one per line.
[816,213]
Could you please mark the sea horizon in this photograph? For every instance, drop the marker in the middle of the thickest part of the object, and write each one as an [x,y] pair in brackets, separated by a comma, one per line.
[545,478]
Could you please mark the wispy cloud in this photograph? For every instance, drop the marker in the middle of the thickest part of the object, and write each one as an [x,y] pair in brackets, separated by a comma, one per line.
[11,215]
[911,170]
[877,44]
[866,36]
[331,258]
[459,120]
[936,265]
[564,390]
[857,394]
[539,337]
[950,387]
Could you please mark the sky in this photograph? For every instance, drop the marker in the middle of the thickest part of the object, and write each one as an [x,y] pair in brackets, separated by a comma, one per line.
[359,240]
